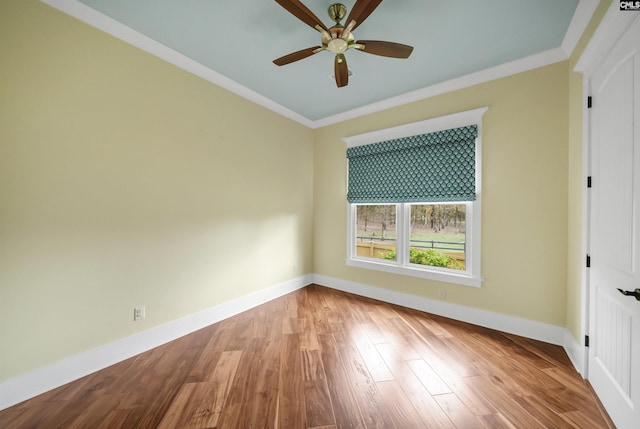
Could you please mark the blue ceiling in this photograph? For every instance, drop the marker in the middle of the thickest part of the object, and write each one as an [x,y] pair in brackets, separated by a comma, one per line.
[233,43]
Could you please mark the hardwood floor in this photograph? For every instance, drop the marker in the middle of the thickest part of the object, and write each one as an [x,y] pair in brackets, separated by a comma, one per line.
[320,358]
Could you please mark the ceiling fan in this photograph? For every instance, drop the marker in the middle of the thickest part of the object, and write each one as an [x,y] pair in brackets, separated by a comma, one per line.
[338,39]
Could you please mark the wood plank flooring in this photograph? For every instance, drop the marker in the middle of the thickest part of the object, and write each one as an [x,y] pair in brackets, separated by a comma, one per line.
[323,359]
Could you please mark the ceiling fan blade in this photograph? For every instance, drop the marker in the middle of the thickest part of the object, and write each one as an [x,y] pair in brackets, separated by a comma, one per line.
[341,71]
[361,10]
[296,56]
[300,11]
[385,49]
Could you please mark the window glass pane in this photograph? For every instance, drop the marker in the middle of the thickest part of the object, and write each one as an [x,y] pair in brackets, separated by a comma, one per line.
[437,237]
[376,231]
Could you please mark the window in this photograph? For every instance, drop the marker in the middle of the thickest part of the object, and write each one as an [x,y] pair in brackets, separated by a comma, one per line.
[414,199]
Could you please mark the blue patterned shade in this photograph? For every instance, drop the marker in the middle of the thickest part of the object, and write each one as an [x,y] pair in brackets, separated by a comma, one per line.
[434,167]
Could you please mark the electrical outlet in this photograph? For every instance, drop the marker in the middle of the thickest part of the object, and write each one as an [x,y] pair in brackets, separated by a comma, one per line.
[138,313]
[443,294]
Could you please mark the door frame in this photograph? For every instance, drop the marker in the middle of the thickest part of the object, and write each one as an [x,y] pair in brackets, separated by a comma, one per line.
[613,26]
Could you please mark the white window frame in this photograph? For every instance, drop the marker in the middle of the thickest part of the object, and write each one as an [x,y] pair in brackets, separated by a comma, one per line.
[471,276]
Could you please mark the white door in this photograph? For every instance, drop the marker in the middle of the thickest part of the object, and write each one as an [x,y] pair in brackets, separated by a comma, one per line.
[614,318]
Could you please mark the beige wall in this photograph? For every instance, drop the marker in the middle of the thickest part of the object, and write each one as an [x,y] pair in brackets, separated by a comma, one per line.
[524,195]
[532,194]
[127,181]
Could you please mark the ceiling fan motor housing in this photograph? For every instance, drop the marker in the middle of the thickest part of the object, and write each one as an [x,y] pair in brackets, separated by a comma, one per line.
[336,43]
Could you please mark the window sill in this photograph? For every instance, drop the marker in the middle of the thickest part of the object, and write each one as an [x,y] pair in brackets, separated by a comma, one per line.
[448,277]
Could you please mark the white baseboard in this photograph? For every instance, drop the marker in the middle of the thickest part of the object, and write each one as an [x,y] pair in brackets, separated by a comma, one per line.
[552,334]
[28,385]
[500,322]
[577,353]
[33,383]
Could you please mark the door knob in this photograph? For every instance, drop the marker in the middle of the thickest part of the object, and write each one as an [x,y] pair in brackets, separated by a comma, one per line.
[635,293]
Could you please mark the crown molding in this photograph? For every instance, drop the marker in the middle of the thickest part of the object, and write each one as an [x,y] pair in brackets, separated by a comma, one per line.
[614,24]
[581,17]
[583,13]
[524,64]
[110,26]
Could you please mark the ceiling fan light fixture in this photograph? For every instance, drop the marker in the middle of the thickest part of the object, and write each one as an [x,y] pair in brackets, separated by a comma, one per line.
[337,46]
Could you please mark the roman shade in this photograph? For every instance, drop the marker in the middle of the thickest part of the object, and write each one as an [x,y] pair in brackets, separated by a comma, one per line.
[434,167]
